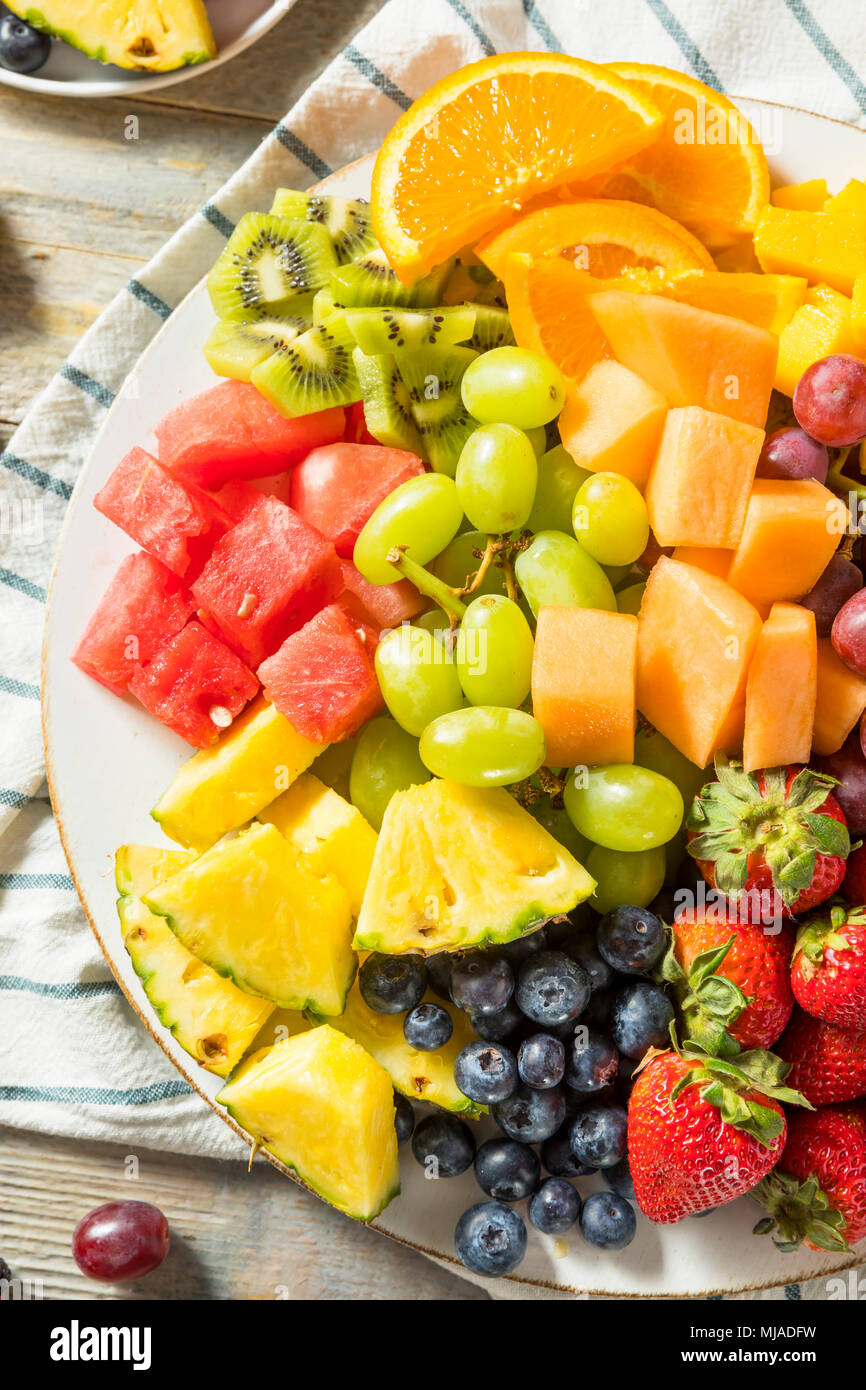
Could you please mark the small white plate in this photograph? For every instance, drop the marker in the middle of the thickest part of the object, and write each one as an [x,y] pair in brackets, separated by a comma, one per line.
[108,761]
[69,73]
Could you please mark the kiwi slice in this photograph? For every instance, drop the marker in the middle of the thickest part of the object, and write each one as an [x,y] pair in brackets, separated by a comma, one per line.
[492,328]
[267,263]
[347,220]
[442,420]
[310,372]
[387,407]
[323,306]
[235,346]
[369,281]
[406,330]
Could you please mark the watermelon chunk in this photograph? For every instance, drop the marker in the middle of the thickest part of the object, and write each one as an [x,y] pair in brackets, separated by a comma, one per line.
[160,514]
[265,578]
[383,606]
[338,487]
[143,606]
[356,431]
[322,679]
[195,685]
[231,431]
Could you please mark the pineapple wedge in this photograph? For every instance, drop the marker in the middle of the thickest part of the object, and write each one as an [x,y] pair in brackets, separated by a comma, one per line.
[146,35]
[330,832]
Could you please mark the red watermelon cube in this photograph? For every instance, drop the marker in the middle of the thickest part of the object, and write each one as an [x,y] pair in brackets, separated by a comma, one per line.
[158,512]
[356,431]
[195,685]
[143,606]
[338,487]
[265,578]
[383,606]
[231,431]
[323,678]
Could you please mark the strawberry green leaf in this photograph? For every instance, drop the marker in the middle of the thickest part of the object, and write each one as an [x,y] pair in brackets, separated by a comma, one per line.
[831,835]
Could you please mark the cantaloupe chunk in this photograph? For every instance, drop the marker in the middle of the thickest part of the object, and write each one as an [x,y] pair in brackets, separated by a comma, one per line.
[693,357]
[840,701]
[696,636]
[767,301]
[612,421]
[781,690]
[583,685]
[792,528]
[701,480]
[716,562]
[803,197]
[828,246]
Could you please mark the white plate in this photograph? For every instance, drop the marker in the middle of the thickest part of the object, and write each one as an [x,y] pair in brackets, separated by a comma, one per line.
[69,73]
[108,762]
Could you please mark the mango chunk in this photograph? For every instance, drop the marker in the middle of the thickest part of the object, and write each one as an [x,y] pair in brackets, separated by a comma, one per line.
[841,699]
[816,330]
[612,421]
[801,197]
[827,246]
[781,690]
[792,529]
[852,198]
[583,685]
[701,479]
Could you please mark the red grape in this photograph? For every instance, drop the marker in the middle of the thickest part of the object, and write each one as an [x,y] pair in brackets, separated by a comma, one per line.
[791,453]
[652,553]
[848,766]
[839,582]
[120,1241]
[830,400]
[849,632]
[854,883]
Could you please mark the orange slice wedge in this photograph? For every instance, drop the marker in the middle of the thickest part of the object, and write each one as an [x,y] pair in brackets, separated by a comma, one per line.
[706,169]
[600,235]
[468,154]
[549,310]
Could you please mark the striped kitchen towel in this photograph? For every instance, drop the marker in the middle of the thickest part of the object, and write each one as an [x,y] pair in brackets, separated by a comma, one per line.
[73,1059]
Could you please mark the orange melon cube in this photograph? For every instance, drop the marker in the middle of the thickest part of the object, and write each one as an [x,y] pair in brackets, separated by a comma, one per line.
[612,421]
[841,700]
[701,480]
[692,356]
[716,562]
[768,301]
[696,636]
[802,197]
[792,529]
[781,690]
[828,246]
[583,685]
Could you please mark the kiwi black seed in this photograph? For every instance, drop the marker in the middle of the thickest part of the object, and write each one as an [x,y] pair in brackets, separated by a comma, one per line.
[310,372]
[267,263]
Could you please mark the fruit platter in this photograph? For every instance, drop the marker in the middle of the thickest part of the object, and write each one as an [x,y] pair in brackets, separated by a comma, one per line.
[453,682]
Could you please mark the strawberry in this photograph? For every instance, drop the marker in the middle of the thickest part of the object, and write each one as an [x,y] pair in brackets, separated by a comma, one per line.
[828,1064]
[818,1191]
[854,882]
[732,979]
[780,830]
[702,1130]
[828,975]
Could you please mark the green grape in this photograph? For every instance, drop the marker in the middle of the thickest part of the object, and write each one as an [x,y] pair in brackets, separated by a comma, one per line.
[496,476]
[653,750]
[557,823]
[494,652]
[629,599]
[559,477]
[555,570]
[386,761]
[512,386]
[435,620]
[417,676]
[624,878]
[459,561]
[483,746]
[616,573]
[334,765]
[624,807]
[423,515]
[537,437]
[610,519]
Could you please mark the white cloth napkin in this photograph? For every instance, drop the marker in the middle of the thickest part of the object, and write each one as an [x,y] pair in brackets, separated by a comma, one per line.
[73,1059]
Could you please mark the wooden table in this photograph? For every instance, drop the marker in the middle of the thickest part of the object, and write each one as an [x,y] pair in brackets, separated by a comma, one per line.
[81,208]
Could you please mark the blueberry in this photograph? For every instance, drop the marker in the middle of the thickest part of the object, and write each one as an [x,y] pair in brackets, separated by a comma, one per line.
[507,1170]
[599,1134]
[439,974]
[444,1145]
[541,1061]
[631,939]
[522,947]
[595,1015]
[404,1118]
[22,48]
[558,1159]
[481,982]
[552,988]
[392,984]
[640,1018]
[593,1062]
[555,1207]
[490,1239]
[529,1115]
[486,1072]
[499,1026]
[608,1220]
[582,947]
[619,1179]
[427,1027]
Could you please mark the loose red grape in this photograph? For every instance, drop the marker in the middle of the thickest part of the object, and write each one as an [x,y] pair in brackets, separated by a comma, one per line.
[651,554]
[848,766]
[839,582]
[830,400]
[848,633]
[120,1241]
[790,453]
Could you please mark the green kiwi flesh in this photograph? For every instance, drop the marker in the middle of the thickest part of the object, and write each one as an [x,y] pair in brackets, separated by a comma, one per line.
[433,380]
[369,281]
[346,220]
[267,263]
[387,407]
[310,372]
[235,346]
[407,330]
[492,328]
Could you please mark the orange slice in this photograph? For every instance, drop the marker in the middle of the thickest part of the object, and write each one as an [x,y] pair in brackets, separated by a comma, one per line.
[467,155]
[549,310]
[602,236]
[706,169]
